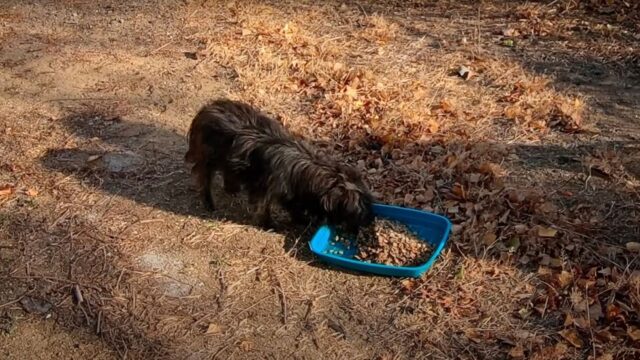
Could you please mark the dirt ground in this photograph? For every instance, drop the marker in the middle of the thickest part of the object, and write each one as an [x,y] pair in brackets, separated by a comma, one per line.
[106,251]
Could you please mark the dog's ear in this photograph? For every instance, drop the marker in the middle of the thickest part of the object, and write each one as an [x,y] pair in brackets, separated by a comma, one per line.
[352,173]
[332,198]
[351,186]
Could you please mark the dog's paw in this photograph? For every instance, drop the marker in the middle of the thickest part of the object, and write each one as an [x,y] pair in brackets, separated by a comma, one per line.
[300,220]
[207,201]
[232,188]
[266,223]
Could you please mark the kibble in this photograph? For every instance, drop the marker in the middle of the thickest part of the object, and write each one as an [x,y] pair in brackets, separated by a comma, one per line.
[390,243]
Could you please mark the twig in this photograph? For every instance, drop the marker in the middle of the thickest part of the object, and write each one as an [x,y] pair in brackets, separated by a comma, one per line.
[544,310]
[362,9]
[150,221]
[283,301]
[160,48]
[587,237]
[593,343]
[12,301]
[254,304]
[215,356]
[99,323]
[51,278]
[295,243]
[77,294]
[223,290]
[82,99]
[551,3]
[119,279]
[86,316]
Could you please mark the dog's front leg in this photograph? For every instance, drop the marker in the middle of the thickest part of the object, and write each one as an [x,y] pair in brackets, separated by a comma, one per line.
[205,177]
[263,213]
[297,212]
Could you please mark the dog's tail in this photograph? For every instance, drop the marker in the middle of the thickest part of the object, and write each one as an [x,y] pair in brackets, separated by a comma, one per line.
[213,120]
[194,138]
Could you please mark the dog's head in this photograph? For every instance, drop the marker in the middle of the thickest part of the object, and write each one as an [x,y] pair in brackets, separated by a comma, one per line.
[348,203]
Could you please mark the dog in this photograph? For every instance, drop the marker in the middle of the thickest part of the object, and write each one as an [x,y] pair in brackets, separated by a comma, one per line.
[258,154]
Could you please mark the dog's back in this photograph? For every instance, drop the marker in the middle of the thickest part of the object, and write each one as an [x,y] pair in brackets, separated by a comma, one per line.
[259,154]
[218,123]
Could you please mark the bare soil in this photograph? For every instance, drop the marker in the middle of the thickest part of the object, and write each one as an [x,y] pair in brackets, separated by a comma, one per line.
[533,154]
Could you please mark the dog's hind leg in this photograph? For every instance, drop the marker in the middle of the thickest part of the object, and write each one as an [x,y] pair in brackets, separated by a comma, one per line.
[262,215]
[232,184]
[207,189]
[204,175]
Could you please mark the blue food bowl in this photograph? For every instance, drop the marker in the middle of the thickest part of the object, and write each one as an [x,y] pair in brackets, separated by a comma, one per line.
[432,228]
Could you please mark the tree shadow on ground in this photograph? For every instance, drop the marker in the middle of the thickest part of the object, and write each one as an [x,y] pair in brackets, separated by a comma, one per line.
[145,163]
[41,254]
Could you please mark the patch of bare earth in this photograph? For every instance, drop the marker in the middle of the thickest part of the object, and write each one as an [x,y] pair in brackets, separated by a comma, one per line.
[518,120]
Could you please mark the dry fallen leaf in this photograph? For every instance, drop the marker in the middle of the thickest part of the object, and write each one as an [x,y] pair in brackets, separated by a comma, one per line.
[581,322]
[565,278]
[613,311]
[547,207]
[572,336]
[489,238]
[246,345]
[6,190]
[474,178]
[408,199]
[492,169]
[32,192]
[605,335]
[578,301]
[429,194]
[555,262]
[547,232]
[633,246]
[351,92]
[214,329]
[560,349]
[569,320]
[473,335]
[517,352]
[288,28]
[634,333]
[595,312]
[509,32]
[408,285]
[446,106]
[544,271]
[246,32]
[432,126]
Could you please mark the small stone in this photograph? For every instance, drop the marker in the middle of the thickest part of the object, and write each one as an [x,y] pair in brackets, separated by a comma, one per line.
[465,73]
[34,305]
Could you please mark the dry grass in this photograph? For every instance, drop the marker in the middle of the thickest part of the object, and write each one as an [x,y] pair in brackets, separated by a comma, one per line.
[93,143]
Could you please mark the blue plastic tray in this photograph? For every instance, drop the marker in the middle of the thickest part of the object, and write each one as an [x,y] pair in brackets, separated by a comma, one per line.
[431,228]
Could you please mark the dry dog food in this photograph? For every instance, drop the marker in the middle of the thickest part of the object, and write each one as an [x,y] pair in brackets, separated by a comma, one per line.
[390,243]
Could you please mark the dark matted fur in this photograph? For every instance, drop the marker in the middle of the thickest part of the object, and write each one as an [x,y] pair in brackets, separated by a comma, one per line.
[255,152]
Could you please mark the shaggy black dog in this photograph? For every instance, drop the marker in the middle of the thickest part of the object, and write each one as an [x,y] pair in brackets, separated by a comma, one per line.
[255,152]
